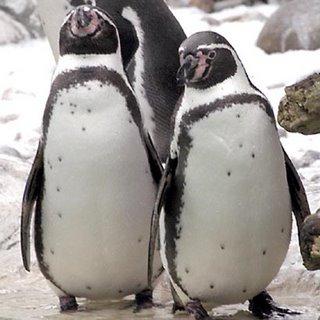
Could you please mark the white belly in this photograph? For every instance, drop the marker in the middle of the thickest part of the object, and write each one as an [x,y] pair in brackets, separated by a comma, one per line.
[236,218]
[99,195]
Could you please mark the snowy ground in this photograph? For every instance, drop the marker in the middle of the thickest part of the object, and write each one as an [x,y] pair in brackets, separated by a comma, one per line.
[26,70]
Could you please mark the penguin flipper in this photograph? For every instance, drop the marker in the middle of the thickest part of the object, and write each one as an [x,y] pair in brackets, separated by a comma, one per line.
[163,187]
[154,160]
[308,225]
[299,201]
[30,196]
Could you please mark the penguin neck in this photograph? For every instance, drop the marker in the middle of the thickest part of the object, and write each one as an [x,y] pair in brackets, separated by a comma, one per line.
[70,62]
[236,84]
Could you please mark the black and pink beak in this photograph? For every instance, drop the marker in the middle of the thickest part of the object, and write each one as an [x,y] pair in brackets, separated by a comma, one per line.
[187,70]
[84,21]
[194,67]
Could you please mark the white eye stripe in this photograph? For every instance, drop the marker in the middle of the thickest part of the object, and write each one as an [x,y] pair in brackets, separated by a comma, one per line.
[68,16]
[105,17]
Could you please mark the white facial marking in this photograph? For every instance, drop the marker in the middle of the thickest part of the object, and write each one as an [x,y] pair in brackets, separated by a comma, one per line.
[72,62]
[146,111]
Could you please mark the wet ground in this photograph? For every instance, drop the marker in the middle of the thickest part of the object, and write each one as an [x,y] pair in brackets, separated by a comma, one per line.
[25,296]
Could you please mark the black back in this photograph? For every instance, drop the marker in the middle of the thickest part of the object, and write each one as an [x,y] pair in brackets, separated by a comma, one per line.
[162,38]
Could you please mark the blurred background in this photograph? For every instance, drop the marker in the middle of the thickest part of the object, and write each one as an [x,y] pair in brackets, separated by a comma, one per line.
[279,44]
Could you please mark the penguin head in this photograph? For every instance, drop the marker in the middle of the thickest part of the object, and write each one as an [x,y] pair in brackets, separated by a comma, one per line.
[206,59]
[88,30]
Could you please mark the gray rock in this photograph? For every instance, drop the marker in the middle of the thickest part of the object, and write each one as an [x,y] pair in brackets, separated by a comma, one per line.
[177,3]
[218,5]
[11,30]
[307,159]
[295,25]
[299,110]
[205,5]
[18,21]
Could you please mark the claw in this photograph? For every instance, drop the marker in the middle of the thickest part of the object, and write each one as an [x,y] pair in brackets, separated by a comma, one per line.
[68,303]
[197,310]
[143,301]
[263,307]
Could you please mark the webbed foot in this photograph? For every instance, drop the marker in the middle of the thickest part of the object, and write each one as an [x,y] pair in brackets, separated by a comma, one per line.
[144,300]
[177,307]
[263,306]
[310,242]
[196,309]
[68,303]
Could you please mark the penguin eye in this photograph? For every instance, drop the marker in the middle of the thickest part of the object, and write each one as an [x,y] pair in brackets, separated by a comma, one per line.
[212,54]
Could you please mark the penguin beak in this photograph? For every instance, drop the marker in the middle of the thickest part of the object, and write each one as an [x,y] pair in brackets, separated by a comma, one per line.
[187,70]
[84,21]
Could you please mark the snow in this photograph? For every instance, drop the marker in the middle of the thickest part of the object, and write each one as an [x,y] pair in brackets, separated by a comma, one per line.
[26,72]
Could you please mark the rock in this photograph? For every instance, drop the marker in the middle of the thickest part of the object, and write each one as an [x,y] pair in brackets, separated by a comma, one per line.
[299,110]
[218,5]
[8,118]
[177,3]
[205,5]
[307,159]
[11,30]
[19,21]
[293,26]
[210,20]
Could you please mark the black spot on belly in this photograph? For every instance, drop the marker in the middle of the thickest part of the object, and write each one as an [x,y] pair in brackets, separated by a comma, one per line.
[187,270]
[60,159]
[84,129]
[264,252]
[238,115]
[89,110]
[282,230]
[253,155]
[222,246]
[72,112]
[229,173]
[88,288]
[211,286]
[240,145]
[58,189]
[140,240]
[244,290]
[120,291]
[52,251]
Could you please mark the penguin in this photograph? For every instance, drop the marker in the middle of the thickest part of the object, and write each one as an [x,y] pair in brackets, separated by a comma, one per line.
[94,179]
[150,36]
[228,189]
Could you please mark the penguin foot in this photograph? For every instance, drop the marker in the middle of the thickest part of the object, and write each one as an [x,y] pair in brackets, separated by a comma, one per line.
[196,309]
[68,303]
[310,242]
[177,307]
[144,300]
[263,306]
